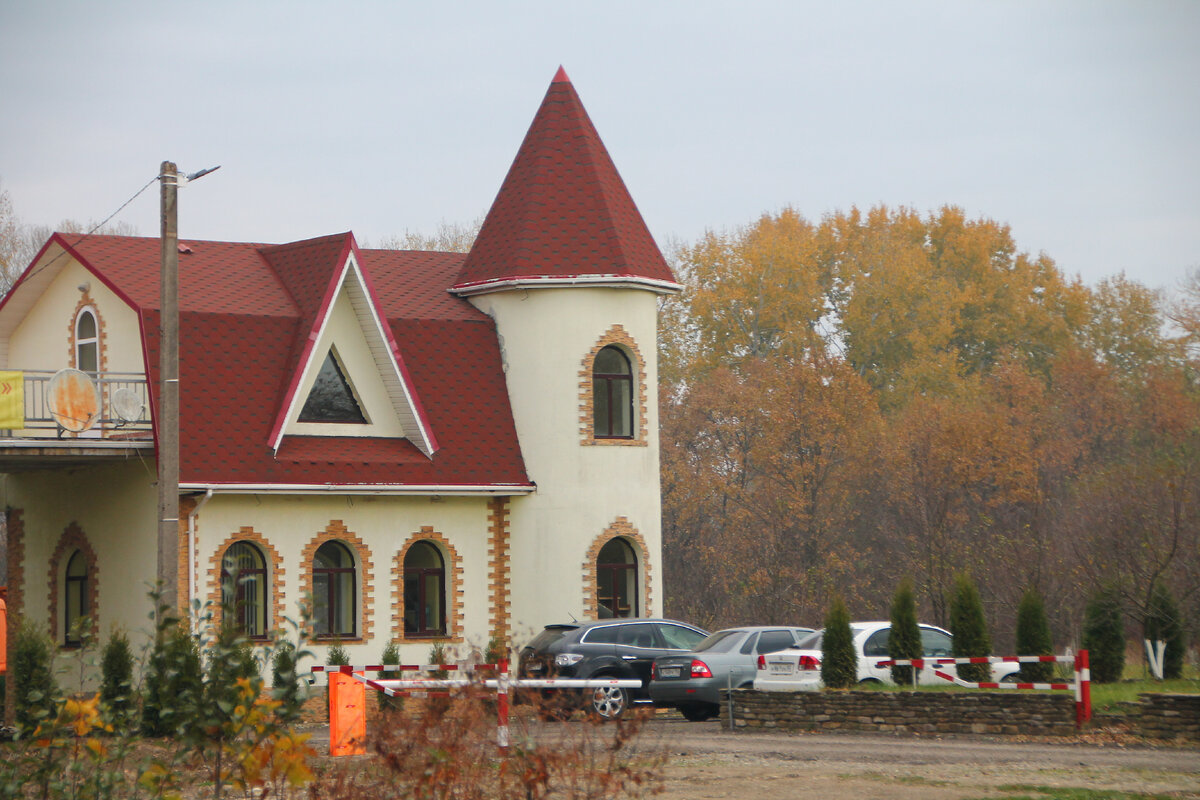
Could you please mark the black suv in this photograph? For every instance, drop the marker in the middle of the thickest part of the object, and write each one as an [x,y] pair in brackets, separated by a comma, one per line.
[610,648]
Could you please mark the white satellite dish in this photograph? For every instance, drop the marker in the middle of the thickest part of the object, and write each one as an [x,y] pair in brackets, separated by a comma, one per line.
[127,404]
[74,400]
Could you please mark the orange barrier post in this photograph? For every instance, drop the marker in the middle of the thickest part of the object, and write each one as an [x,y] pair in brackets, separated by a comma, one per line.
[347,715]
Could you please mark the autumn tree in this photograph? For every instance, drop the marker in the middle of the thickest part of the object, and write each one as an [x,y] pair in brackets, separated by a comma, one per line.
[449,237]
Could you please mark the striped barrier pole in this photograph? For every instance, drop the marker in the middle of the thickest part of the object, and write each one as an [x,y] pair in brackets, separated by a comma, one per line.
[1081,685]
[441,687]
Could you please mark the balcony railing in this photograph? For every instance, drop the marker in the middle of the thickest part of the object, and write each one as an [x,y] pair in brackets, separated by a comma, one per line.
[124,407]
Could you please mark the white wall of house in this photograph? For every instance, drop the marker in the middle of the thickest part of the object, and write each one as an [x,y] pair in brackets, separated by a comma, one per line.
[42,340]
[114,508]
[545,334]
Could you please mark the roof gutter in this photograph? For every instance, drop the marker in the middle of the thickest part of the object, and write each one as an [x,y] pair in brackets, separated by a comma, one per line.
[397,490]
[594,281]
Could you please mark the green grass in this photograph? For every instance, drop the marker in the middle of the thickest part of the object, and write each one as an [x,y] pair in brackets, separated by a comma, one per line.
[1054,793]
[1108,696]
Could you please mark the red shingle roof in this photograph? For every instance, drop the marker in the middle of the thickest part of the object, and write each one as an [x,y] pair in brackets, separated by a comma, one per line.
[246,314]
[563,210]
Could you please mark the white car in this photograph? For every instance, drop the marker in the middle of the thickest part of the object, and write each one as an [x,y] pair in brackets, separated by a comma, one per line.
[799,668]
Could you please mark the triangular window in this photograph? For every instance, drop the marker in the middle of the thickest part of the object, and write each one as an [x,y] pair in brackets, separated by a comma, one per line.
[331,398]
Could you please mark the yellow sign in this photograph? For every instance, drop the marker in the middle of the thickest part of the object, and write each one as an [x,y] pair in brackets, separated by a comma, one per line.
[12,400]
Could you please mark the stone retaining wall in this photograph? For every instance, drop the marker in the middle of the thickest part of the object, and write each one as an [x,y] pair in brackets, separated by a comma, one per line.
[1169,716]
[1002,713]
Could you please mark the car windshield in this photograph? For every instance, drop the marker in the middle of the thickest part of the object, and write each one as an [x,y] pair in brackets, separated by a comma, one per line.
[720,642]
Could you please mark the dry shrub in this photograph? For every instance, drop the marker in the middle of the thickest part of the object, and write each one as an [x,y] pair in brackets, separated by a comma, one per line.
[425,754]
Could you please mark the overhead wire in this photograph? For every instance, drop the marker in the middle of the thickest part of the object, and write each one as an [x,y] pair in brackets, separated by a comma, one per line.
[95,228]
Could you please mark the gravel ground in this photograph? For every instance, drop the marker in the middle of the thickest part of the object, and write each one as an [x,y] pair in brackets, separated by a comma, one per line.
[707,761]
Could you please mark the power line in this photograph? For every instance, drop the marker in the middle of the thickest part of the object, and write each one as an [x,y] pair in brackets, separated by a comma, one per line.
[95,228]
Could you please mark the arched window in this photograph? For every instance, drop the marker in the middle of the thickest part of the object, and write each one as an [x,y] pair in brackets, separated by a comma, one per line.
[616,580]
[244,588]
[333,591]
[87,342]
[75,599]
[424,591]
[612,394]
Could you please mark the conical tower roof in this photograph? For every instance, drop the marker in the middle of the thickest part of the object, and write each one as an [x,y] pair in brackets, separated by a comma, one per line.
[563,215]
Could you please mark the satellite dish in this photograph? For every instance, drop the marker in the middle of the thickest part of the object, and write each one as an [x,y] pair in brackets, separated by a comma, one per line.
[127,404]
[74,400]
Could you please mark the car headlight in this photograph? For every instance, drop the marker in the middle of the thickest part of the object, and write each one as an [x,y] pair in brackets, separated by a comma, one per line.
[567,659]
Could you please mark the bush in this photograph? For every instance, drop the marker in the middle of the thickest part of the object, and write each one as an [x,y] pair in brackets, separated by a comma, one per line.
[904,640]
[839,662]
[1104,636]
[1165,623]
[970,630]
[116,681]
[174,683]
[391,655]
[1033,637]
[32,673]
[285,683]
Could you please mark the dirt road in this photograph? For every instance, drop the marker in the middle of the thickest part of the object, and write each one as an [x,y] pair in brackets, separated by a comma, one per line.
[708,763]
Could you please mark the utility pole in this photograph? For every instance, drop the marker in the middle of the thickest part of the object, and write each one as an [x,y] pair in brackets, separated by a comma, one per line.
[166,420]
[166,417]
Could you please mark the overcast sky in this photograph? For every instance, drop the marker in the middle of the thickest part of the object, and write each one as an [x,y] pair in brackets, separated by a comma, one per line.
[1077,123]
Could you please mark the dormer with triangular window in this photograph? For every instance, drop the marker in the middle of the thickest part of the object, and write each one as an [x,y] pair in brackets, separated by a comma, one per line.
[350,379]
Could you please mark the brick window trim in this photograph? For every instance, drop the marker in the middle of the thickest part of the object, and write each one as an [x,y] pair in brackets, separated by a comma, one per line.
[73,538]
[618,336]
[86,302]
[619,529]
[455,618]
[336,531]
[275,573]
[16,594]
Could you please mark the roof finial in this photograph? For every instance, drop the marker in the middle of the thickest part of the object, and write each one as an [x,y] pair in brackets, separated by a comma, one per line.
[561,76]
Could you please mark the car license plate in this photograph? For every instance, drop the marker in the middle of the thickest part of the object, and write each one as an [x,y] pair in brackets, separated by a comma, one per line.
[781,668]
[669,672]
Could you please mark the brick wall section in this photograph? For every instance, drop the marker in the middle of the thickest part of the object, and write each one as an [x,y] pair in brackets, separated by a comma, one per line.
[454,591]
[15,601]
[336,531]
[992,713]
[183,569]
[622,528]
[72,539]
[619,336]
[1170,716]
[499,569]
[274,575]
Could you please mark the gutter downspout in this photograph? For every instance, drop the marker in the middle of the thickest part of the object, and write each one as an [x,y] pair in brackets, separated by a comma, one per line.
[192,549]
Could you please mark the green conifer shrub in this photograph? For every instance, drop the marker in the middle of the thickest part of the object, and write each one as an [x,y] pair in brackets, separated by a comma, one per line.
[390,655]
[285,683]
[970,630]
[32,670]
[1033,637]
[839,662]
[174,681]
[1104,635]
[1164,622]
[117,695]
[904,639]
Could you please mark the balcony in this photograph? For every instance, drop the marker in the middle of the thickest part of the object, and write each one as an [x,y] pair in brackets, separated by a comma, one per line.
[115,426]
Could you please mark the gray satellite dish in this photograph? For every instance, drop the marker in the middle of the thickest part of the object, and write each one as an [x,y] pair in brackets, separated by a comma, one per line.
[127,404]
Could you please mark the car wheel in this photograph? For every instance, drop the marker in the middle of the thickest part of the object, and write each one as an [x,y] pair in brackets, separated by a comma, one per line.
[1012,677]
[699,712]
[870,683]
[608,702]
